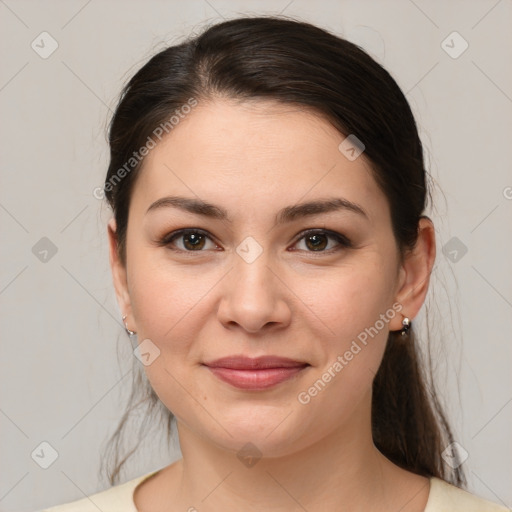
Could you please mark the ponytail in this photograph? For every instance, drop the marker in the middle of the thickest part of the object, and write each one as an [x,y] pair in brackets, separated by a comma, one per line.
[408,424]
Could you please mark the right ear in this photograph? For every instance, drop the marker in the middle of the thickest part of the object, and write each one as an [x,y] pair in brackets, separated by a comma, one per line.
[118,272]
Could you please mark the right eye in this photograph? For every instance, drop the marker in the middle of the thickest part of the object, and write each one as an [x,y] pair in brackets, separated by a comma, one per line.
[192,240]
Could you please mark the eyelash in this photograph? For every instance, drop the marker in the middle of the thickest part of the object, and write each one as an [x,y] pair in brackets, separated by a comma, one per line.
[342,240]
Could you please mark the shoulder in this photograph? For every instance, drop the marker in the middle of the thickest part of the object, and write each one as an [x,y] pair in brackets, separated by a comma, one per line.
[445,497]
[118,498]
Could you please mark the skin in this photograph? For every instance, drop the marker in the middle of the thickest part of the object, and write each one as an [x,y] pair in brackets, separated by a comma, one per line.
[253,159]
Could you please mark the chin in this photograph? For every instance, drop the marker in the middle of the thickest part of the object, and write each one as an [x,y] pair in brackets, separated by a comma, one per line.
[272,430]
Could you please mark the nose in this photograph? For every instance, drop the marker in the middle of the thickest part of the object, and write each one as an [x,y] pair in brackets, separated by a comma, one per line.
[254,297]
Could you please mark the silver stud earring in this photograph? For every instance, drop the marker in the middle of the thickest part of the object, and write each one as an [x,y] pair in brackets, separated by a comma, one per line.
[406,323]
[130,333]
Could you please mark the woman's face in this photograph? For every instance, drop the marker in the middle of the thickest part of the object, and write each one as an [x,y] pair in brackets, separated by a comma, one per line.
[253,283]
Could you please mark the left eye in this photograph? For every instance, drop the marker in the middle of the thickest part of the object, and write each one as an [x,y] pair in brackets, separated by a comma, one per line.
[318,240]
[195,240]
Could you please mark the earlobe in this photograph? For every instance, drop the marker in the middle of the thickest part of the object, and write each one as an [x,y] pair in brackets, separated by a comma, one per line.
[415,272]
[118,270]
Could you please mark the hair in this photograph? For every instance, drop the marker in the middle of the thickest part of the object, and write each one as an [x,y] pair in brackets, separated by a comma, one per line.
[296,63]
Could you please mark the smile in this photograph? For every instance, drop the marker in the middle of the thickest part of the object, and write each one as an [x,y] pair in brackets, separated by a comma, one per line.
[255,373]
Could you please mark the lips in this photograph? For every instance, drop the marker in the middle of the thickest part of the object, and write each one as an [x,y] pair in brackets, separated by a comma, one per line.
[255,373]
[249,363]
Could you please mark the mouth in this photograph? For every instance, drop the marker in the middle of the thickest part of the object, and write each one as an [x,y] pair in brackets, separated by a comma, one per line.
[255,373]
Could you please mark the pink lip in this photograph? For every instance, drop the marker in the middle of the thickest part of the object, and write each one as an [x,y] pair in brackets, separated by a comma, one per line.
[258,373]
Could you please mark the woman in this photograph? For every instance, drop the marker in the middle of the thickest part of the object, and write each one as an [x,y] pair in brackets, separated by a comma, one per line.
[270,251]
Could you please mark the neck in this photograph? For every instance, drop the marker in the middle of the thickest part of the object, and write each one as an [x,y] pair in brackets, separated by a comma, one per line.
[341,471]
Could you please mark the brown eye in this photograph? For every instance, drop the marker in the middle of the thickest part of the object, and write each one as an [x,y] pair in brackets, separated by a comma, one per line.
[195,240]
[191,240]
[318,241]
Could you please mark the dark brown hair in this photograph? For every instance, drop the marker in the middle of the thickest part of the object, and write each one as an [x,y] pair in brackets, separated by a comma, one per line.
[296,63]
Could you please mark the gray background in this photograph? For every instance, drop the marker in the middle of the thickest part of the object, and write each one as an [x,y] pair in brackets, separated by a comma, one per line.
[61,381]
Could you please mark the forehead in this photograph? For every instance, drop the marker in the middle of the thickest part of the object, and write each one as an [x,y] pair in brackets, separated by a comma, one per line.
[257,152]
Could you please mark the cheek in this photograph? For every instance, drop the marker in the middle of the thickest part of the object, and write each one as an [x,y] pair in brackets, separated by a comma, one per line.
[357,307]
[167,305]
[350,361]
[354,298]
[164,300]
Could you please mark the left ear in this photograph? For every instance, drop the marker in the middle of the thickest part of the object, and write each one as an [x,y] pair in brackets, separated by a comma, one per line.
[415,273]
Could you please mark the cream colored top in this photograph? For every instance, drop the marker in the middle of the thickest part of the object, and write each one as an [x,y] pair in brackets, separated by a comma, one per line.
[443,497]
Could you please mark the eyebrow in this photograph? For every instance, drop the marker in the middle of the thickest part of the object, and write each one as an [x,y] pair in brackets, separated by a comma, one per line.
[287,214]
